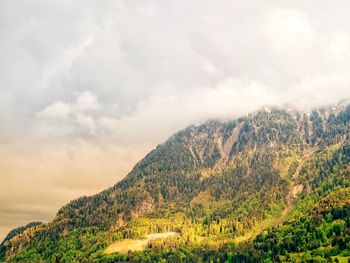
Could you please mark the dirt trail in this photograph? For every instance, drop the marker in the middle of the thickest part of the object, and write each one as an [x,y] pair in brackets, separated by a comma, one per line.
[294,190]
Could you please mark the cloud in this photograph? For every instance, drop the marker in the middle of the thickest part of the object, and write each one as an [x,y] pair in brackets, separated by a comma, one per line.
[57,110]
[87,101]
[288,30]
[67,118]
[339,45]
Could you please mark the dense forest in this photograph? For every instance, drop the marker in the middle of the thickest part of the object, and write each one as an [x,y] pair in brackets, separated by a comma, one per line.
[273,186]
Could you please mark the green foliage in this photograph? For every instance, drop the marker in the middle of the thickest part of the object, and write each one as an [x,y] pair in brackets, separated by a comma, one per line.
[212,184]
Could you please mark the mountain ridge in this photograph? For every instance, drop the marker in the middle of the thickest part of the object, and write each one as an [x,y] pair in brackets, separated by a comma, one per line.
[235,175]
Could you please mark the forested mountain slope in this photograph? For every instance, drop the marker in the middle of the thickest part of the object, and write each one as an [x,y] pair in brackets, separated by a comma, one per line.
[273,185]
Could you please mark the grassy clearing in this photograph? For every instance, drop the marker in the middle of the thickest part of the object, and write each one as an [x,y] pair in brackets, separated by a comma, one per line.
[163,235]
[126,245]
[340,259]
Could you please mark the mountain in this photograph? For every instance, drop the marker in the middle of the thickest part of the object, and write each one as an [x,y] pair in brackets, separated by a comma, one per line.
[19,230]
[270,186]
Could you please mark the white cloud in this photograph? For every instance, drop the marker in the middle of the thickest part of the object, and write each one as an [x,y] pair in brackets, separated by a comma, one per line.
[86,121]
[68,118]
[57,110]
[288,30]
[339,45]
[86,101]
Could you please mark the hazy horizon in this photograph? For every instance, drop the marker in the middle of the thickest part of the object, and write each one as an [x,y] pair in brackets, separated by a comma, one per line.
[89,87]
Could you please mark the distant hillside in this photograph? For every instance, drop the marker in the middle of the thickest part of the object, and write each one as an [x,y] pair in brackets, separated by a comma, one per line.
[19,230]
[270,186]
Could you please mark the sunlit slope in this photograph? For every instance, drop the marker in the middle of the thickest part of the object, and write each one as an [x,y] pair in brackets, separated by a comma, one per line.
[213,185]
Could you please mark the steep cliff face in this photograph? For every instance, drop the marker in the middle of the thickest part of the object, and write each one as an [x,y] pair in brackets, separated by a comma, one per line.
[242,171]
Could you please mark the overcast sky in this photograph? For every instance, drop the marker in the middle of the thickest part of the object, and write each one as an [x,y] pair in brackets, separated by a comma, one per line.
[89,87]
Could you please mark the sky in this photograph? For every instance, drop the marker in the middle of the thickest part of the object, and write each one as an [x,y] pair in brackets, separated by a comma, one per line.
[87,87]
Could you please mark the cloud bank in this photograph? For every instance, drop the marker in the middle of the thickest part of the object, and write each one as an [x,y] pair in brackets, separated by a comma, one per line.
[88,87]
